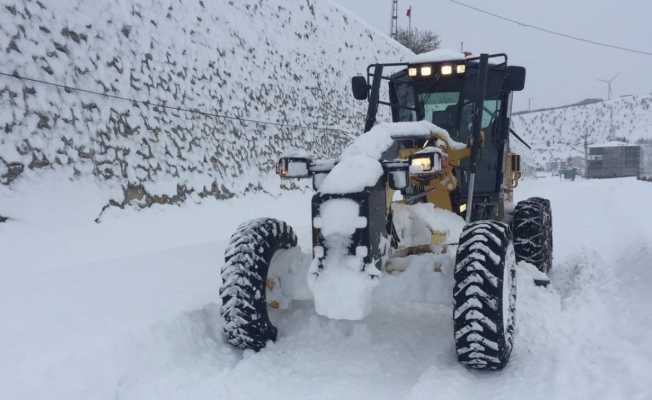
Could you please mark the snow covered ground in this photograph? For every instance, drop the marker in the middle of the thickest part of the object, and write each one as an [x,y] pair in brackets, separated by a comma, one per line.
[126,309]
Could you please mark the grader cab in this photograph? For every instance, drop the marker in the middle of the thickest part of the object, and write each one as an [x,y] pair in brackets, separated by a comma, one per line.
[437,181]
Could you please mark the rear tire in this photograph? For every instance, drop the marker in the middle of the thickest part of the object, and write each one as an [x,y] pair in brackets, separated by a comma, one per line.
[485,295]
[244,278]
[532,227]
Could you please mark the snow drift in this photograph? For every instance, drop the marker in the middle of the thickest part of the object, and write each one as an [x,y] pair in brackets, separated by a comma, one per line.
[127,309]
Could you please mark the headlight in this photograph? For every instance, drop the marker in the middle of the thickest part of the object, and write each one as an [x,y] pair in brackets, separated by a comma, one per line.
[426,163]
[421,164]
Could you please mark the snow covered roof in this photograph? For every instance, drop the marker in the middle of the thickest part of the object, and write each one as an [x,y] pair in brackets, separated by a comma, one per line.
[423,128]
[436,56]
[613,143]
[359,166]
[375,142]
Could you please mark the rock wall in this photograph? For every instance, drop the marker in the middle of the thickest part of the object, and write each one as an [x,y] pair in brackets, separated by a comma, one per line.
[198,69]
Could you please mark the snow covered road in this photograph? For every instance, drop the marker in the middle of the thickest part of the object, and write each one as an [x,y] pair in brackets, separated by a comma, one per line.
[126,309]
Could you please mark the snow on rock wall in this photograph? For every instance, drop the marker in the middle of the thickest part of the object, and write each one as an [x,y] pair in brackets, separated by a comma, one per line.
[286,61]
[558,134]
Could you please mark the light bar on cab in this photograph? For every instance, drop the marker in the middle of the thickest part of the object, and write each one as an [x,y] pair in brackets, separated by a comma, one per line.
[429,70]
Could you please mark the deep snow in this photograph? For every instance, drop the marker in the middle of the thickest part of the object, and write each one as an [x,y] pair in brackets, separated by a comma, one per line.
[126,309]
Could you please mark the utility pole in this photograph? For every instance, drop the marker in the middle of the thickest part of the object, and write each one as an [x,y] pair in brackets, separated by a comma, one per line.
[408,13]
[393,27]
[586,152]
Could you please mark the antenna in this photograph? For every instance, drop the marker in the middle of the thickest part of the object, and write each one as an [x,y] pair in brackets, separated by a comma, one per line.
[393,27]
[609,83]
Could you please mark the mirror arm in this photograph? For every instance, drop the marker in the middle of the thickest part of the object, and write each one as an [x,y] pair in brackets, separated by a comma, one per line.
[520,139]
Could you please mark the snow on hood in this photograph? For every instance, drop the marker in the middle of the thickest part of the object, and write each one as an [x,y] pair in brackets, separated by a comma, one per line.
[436,56]
[359,166]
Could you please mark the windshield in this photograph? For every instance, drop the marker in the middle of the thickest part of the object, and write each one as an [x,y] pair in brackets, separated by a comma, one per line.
[446,106]
[440,108]
[446,103]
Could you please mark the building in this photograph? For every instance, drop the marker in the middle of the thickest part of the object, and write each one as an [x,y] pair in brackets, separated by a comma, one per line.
[613,159]
[645,170]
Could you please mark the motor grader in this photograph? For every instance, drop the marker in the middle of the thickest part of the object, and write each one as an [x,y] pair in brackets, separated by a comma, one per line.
[437,181]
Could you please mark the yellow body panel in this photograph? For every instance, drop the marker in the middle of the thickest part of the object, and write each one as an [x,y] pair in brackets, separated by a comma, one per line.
[511,177]
[438,187]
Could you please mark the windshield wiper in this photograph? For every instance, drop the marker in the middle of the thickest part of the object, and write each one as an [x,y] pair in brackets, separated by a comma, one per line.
[519,138]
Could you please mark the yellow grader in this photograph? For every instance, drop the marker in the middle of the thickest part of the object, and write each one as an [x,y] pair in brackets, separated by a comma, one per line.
[438,180]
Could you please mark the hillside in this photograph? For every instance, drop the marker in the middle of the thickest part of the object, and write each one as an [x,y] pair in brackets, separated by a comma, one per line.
[559,133]
[214,65]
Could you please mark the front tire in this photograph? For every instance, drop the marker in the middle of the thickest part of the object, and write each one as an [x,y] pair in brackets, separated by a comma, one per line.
[244,278]
[532,227]
[485,295]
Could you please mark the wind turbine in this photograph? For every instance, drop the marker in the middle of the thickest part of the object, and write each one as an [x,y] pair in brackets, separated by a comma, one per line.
[609,83]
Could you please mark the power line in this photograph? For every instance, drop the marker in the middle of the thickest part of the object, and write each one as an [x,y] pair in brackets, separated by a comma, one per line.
[68,88]
[550,31]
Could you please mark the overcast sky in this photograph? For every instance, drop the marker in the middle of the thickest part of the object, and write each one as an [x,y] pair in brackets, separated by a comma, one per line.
[559,70]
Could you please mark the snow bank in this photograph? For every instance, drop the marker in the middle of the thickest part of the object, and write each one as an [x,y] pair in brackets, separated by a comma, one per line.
[127,309]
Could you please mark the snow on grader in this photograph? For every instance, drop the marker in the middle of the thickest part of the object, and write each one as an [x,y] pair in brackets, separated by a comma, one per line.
[437,182]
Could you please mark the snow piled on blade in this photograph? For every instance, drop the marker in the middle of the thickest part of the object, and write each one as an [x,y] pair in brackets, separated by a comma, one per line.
[342,286]
[342,290]
[339,216]
[359,166]
[415,223]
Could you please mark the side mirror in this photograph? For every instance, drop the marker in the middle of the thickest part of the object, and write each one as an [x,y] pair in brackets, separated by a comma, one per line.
[293,167]
[360,88]
[516,162]
[398,173]
[515,79]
